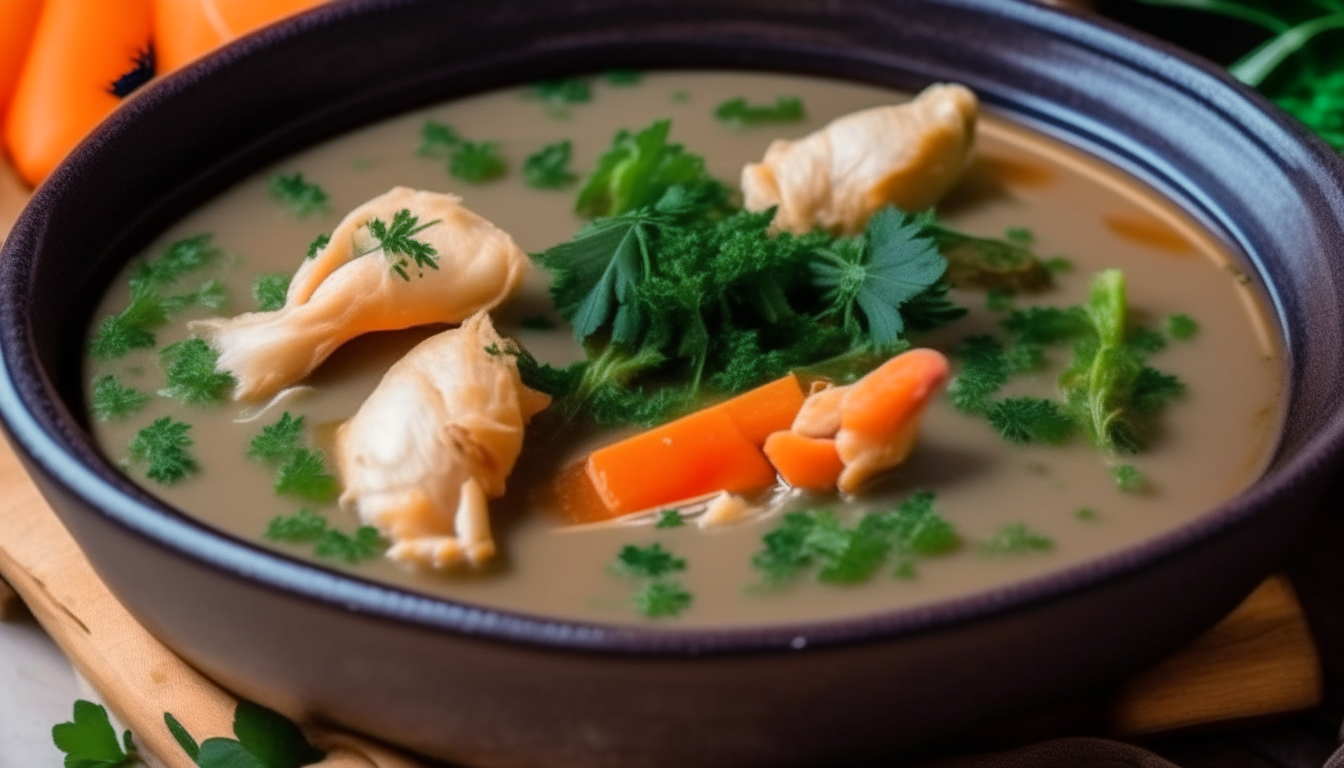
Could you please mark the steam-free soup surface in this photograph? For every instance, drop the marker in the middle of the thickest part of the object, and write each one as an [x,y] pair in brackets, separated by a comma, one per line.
[1215,441]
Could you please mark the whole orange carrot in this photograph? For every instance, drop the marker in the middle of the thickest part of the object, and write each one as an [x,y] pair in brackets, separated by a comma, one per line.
[18,19]
[185,30]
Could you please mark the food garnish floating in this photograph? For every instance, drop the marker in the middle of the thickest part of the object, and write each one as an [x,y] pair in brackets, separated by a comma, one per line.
[403,259]
[908,155]
[437,437]
[84,59]
[845,436]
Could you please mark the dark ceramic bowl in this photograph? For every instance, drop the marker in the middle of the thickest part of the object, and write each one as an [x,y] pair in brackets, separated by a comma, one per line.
[494,689]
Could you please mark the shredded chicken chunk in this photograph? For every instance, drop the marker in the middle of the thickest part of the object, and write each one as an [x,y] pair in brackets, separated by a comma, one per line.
[908,155]
[355,286]
[438,436]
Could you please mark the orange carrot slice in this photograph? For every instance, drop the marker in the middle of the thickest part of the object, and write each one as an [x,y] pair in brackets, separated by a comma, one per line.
[692,456]
[79,50]
[766,409]
[18,19]
[894,394]
[810,463]
[185,30]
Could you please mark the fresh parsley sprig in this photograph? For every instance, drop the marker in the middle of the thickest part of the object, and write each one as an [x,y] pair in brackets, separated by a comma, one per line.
[739,113]
[548,167]
[264,739]
[300,196]
[397,241]
[90,741]
[163,446]
[113,400]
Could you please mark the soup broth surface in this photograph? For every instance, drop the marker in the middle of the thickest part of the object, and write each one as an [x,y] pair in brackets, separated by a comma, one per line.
[1215,441]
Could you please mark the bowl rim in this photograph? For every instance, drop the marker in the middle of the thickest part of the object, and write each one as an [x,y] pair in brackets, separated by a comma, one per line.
[137,511]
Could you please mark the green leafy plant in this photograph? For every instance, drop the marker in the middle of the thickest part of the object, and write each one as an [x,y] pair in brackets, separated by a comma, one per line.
[739,113]
[263,739]
[90,741]
[113,400]
[133,328]
[163,446]
[660,596]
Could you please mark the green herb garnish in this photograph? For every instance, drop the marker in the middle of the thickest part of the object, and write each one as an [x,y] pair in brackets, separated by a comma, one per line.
[637,172]
[265,739]
[561,93]
[1025,420]
[1020,235]
[1015,539]
[304,475]
[652,561]
[437,139]
[117,336]
[1128,478]
[548,167]
[113,400]
[301,527]
[133,328]
[397,242]
[90,741]
[623,76]
[998,300]
[189,368]
[178,259]
[476,162]
[163,446]
[738,113]
[277,442]
[301,197]
[663,598]
[365,544]
[1086,514]
[1182,327]
[670,518]
[269,291]
[319,242]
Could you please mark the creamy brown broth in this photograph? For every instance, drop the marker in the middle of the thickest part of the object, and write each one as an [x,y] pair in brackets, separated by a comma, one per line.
[1217,439]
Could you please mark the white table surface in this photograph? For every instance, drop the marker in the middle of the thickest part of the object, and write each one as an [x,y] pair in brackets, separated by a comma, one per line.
[37,690]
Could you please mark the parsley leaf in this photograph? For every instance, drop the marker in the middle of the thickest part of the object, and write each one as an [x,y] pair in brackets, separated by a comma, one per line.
[90,741]
[277,442]
[365,544]
[670,518]
[738,113]
[1128,478]
[301,527]
[548,167]
[652,561]
[319,242]
[999,300]
[892,265]
[163,445]
[305,476]
[1025,420]
[986,262]
[476,162]
[1047,325]
[983,372]
[637,171]
[265,739]
[562,92]
[301,197]
[398,243]
[117,336]
[1182,327]
[113,400]
[1086,514]
[269,291]
[663,598]
[189,368]
[1015,539]
[620,77]
[179,258]
[437,139]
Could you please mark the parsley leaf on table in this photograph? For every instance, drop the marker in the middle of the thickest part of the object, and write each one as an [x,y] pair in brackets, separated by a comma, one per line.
[739,113]
[190,374]
[874,277]
[397,242]
[113,400]
[90,741]
[265,739]
[269,291]
[548,167]
[298,195]
[163,445]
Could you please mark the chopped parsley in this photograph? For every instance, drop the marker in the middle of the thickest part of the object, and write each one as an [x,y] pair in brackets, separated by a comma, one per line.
[319,242]
[1128,478]
[1015,539]
[163,446]
[397,242]
[620,77]
[301,197]
[117,336]
[637,171]
[548,167]
[739,113]
[90,741]
[277,442]
[562,92]
[652,561]
[538,322]
[177,260]
[1182,327]
[189,368]
[470,161]
[301,527]
[663,598]
[1057,265]
[304,475]
[1020,235]
[999,300]
[984,369]
[476,162]
[1086,514]
[113,400]
[269,291]
[670,518]
[364,544]
[852,554]
[1025,420]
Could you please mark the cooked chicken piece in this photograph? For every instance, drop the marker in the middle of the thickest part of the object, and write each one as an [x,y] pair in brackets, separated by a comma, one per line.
[437,437]
[908,155]
[355,286]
